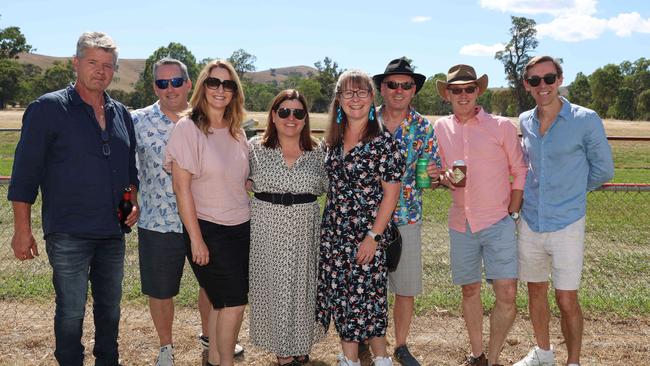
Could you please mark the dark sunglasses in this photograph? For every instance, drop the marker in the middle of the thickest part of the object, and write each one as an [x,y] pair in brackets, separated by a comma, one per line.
[299,113]
[457,91]
[164,83]
[106,148]
[394,85]
[549,79]
[215,83]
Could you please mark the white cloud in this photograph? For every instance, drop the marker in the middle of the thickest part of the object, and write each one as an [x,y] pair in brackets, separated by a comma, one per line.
[573,28]
[553,7]
[627,23]
[478,49]
[420,19]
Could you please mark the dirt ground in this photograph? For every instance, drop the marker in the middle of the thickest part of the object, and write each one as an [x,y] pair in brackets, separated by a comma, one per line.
[26,338]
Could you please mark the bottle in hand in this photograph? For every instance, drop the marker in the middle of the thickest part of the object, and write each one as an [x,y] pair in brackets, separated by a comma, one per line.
[124,209]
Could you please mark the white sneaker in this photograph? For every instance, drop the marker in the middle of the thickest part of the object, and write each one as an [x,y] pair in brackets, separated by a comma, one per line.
[382,361]
[538,357]
[205,344]
[344,361]
[166,356]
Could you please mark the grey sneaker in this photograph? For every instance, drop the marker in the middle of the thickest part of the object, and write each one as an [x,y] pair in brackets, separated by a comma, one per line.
[166,356]
[404,356]
[205,344]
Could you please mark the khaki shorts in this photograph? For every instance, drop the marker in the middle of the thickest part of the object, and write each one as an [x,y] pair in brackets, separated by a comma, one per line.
[406,280]
[562,251]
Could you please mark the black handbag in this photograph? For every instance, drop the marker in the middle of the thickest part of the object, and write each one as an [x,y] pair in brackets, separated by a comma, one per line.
[393,247]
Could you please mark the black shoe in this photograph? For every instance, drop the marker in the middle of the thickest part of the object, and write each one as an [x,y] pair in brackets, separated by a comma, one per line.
[404,356]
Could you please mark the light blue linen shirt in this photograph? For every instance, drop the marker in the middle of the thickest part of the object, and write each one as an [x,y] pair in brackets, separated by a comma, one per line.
[158,211]
[571,158]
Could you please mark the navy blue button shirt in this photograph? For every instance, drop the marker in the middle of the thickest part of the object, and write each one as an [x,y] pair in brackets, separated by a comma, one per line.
[61,150]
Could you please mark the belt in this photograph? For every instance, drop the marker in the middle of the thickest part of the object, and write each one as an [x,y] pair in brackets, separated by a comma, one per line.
[286,199]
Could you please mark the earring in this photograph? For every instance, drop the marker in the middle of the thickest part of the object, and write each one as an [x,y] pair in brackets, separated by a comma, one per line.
[371,114]
[339,115]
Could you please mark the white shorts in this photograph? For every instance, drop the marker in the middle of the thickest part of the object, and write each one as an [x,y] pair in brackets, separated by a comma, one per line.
[563,250]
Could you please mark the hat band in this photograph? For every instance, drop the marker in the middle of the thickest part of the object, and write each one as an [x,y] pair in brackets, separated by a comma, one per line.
[462,78]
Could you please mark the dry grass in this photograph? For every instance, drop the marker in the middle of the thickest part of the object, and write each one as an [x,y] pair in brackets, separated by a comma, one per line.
[436,339]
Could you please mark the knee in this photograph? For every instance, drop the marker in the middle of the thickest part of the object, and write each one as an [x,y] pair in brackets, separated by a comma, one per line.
[471,290]
[507,295]
[568,303]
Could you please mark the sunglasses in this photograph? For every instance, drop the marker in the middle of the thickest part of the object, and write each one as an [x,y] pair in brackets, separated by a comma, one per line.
[349,94]
[106,148]
[215,83]
[457,91]
[394,85]
[549,79]
[299,113]
[164,83]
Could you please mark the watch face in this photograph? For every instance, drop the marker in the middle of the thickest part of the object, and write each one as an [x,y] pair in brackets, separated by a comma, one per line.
[377,237]
[515,215]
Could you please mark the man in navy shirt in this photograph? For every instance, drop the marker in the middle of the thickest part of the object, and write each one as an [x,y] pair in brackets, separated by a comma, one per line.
[78,146]
[568,155]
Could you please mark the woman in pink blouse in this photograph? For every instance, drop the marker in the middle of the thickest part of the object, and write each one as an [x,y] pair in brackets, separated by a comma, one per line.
[207,155]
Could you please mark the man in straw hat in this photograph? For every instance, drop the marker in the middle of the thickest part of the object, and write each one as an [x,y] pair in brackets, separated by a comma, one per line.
[483,213]
[398,85]
[568,155]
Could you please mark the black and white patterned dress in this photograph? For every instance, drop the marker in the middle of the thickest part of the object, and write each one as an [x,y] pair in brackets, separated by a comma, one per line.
[284,251]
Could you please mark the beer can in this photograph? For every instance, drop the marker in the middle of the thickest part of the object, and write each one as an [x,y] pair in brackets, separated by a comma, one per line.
[422,179]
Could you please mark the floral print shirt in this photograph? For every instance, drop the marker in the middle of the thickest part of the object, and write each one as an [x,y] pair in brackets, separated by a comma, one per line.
[416,139]
[158,211]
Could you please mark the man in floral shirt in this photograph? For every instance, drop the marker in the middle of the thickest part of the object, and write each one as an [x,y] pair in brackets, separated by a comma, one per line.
[415,135]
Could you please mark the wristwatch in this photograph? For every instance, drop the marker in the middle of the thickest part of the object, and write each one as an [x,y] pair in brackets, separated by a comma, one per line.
[514,215]
[374,235]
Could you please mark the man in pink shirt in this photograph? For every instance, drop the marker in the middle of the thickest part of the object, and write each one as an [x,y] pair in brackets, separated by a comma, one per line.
[483,213]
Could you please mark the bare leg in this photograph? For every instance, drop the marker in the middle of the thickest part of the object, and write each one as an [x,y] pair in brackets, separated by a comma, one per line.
[502,317]
[350,350]
[228,325]
[213,351]
[378,346]
[204,309]
[473,315]
[162,314]
[402,315]
[571,322]
[540,314]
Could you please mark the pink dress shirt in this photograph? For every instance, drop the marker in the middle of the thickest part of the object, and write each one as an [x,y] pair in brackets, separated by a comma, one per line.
[219,167]
[490,147]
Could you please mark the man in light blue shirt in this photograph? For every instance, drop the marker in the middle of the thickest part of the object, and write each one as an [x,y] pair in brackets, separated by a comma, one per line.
[568,155]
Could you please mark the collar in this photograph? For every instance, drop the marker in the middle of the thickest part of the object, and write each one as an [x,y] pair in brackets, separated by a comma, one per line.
[565,111]
[480,114]
[411,115]
[75,98]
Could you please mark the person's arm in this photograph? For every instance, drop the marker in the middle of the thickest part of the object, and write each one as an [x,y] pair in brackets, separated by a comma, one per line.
[516,165]
[388,203]
[599,155]
[181,181]
[134,182]
[23,242]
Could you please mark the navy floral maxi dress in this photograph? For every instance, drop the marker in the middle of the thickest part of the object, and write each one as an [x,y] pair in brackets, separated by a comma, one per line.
[355,295]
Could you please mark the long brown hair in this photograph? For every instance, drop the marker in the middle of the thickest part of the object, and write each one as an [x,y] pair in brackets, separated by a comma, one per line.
[350,79]
[234,113]
[270,136]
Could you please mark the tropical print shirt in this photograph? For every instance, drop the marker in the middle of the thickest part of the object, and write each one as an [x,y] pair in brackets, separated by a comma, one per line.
[416,140]
[158,211]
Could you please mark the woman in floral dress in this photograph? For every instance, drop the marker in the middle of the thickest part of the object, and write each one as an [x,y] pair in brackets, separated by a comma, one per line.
[364,166]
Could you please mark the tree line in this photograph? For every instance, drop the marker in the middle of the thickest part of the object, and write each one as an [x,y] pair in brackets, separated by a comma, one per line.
[614,91]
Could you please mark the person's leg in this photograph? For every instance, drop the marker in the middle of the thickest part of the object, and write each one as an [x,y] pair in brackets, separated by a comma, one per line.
[213,350]
[403,309]
[378,346]
[70,260]
[162,314]
[473,316]
[540,314]
[502,317]
[228,324]
[571,323]
[106,274]
[350,350]
[205,306]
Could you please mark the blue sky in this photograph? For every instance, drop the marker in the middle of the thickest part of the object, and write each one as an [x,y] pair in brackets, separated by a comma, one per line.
[587,34]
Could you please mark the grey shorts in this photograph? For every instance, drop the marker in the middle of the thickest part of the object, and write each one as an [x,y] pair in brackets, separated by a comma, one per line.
[162,257]
[495,246]
[406,280]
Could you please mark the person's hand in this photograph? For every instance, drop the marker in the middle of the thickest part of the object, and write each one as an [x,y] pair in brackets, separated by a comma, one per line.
[434,172]
[248,185]
[24,245]
[366,252]
[200,252]
[134,215]
[447,178]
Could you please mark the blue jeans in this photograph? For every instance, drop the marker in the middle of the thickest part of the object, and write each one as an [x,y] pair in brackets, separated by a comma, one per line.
[74,261]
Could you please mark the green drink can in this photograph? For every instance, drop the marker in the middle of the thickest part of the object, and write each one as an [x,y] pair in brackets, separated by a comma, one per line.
[422,179]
